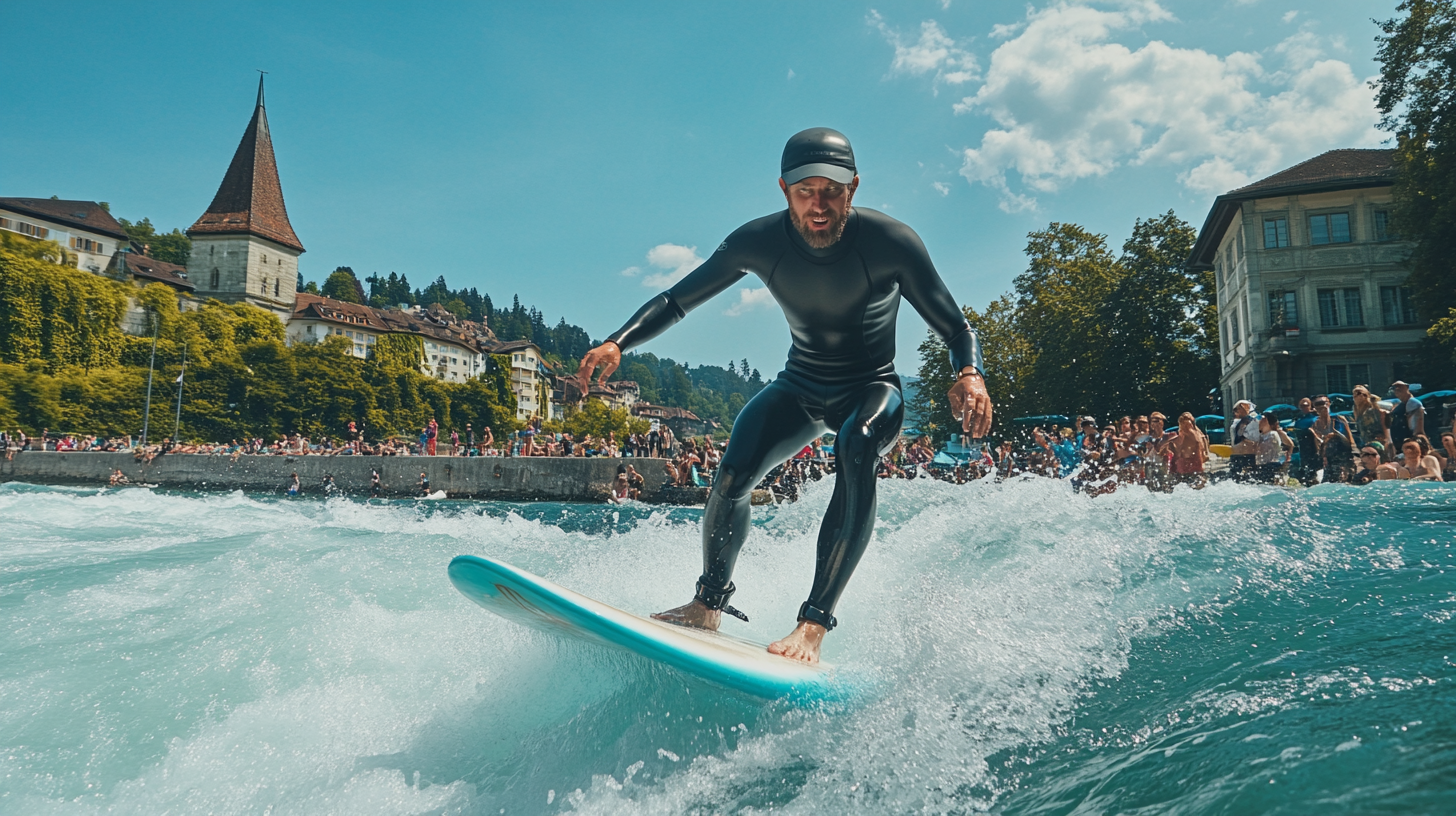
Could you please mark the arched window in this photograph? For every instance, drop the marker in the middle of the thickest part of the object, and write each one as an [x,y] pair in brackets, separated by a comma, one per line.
[215,278]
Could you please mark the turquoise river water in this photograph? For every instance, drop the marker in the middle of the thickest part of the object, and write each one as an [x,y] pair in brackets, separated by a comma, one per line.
[1238,650]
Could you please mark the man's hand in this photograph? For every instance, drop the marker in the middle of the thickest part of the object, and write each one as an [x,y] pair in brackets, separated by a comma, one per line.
[608,355]
[970,403]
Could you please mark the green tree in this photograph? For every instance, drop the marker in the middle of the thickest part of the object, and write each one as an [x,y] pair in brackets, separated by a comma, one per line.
[342,285]
[1070,272]
[596,419]
[56,315]
[1158,324]
[1416,96]
[1087,332]
[172,247]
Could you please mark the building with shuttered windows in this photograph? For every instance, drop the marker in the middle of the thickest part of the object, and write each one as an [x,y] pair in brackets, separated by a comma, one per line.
[1310,271]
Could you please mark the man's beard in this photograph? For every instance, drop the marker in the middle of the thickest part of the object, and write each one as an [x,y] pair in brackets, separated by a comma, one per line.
[821,239]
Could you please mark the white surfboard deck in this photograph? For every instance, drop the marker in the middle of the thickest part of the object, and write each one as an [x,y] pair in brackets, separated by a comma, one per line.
[738,664]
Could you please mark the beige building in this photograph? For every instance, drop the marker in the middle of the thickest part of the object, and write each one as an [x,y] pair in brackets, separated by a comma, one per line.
[451,353]
[528,380]
[1311,278]
[84,228]
[244,249]
[93,241]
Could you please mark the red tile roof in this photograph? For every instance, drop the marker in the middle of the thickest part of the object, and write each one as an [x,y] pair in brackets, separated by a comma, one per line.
[317,307]
[87,215]
[250,200]
[663,411]
[141,266]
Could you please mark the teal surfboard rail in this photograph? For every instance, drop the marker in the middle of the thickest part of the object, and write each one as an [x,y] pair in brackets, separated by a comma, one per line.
[732,662]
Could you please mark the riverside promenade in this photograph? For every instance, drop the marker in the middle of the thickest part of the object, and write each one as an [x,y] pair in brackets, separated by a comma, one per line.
[566,479]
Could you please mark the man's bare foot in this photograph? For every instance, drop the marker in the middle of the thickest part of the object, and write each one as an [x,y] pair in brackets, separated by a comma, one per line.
[802,644]
[694,613]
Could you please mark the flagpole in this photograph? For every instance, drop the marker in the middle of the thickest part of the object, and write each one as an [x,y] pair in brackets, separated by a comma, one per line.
[147,416]
[176,428]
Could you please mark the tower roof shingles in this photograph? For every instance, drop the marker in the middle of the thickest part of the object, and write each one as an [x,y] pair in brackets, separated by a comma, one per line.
[250,199]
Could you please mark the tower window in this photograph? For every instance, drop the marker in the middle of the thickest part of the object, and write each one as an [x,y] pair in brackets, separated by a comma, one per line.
[215,276]
[264,289]
[275,287]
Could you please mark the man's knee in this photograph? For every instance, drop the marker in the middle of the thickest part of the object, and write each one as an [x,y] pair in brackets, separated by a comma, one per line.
[731,483]
[856,443]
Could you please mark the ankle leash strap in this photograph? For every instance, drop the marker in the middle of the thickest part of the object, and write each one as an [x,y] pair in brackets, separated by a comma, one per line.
[718,598]
[819,616]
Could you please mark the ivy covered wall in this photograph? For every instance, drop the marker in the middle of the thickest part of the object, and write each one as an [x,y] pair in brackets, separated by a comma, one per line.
[65,365]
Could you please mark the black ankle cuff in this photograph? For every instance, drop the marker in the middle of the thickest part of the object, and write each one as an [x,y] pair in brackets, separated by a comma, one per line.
[816,615]
[713,598]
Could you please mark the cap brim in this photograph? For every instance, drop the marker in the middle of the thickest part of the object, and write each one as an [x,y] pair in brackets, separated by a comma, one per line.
[833,172]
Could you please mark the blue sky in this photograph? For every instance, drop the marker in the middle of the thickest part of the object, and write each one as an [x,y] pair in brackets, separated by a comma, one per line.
[583,154]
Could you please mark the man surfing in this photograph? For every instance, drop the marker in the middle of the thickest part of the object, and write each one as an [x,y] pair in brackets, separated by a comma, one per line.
[838,273]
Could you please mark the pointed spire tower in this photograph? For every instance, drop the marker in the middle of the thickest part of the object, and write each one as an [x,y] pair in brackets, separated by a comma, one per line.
[243,247]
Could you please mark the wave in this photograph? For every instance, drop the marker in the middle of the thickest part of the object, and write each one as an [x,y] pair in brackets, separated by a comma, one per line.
[1236,649]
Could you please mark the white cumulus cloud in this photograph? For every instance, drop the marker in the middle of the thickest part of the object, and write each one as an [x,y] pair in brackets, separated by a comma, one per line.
[935,52]
[667,264]
[941,187]
[1069,102]
[748,300]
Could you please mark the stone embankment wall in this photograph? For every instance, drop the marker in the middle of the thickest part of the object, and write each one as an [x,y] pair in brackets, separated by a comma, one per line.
[486,477]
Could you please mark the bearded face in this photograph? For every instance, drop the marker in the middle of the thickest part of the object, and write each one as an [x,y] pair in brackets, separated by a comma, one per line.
[819,209]
[826,236]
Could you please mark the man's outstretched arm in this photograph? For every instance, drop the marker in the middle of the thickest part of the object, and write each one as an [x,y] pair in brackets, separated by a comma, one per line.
[657,315]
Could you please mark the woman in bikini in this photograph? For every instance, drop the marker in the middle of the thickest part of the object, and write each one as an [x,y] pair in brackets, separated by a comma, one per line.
[1190,453]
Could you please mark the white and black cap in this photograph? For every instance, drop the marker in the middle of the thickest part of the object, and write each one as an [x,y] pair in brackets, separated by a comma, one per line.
[817,152]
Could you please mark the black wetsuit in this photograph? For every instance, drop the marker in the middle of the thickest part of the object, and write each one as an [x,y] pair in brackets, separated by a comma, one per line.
[841,303]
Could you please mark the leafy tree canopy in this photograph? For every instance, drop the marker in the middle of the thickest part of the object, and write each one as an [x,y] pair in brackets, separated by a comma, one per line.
[342,285]
[1087,331]
[1416,96]
[172,247]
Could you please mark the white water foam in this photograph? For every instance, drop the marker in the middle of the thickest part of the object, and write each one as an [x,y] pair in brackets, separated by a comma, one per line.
[227,654]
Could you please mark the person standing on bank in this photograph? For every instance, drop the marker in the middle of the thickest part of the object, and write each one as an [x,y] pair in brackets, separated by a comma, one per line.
[1244,437]
[838,272]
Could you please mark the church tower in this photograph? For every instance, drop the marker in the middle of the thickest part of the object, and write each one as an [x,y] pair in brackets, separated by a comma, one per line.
[243,248]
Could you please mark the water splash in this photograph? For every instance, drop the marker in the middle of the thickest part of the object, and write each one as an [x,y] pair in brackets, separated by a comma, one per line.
[1235,649]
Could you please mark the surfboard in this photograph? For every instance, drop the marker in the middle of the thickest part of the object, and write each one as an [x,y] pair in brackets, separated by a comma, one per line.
[728,661]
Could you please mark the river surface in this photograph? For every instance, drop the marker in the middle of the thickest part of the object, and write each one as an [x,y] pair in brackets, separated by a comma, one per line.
[1237,650]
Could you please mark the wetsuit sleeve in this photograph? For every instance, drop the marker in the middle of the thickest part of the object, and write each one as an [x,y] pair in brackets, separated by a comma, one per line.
[723,269]
[922,286]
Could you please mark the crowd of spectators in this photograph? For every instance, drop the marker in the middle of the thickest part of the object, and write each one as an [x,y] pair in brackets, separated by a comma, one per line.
[1371,443]
[1315,446]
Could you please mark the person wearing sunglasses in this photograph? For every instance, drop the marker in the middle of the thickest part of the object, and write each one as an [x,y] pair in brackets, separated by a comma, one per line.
[1369,462]
[1370,421]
